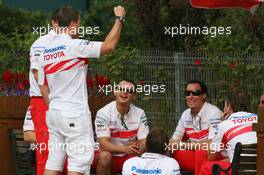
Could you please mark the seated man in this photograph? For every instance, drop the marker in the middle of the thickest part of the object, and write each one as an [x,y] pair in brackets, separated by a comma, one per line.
[30,137]
[237,127]
[195,127]
[121,130]
[28,129]
[154,161]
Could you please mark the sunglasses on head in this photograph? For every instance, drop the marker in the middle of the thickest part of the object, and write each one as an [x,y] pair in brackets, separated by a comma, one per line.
[126,90]
[194,93]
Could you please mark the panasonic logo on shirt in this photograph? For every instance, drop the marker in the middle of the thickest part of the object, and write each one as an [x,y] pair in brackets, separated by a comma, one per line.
[145,171]
[55,49]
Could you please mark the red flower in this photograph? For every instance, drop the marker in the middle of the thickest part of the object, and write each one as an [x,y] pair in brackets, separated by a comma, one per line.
[198,62]
[101,80]
[20,86]
[90,83]
[141,82]
[105,80]
[232,65]
[98,80]
[7,76]
[19,77]
[25,82]
[237,82]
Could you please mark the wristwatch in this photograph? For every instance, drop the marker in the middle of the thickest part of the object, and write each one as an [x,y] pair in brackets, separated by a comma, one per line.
[121,18]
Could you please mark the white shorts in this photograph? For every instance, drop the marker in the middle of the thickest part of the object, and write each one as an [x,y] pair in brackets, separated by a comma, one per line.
[71,136]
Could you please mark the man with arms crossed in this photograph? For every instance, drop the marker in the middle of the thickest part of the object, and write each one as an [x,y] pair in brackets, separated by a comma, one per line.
[121,129]
[62,77]
[195,128]
[154,161]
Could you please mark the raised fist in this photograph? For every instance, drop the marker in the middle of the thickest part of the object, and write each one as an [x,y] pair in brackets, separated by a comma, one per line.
[119,11]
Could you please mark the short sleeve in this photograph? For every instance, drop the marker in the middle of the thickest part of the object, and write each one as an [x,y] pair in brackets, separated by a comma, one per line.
[180,129]
[35,54]
[217,144]
[84,48]
[101,125]
[126,170]
[214,121]
[28,123]
[41,75]
[173,169]
[143,127]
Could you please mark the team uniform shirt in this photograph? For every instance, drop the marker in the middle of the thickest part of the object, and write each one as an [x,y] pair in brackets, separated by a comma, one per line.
[35,52]
[28,123]
[199,127]
[151,163]
[237,128]
[63,67]
[108,123]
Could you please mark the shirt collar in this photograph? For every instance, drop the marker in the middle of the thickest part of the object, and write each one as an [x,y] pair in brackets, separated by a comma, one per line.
[64,36]
[202,112]
[240,114]
[119,115]
[52,33]
[152,155]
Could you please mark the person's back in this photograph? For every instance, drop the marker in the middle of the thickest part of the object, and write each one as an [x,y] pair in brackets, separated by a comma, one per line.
[237,128]
[62,80]
[65,66]
[154,161]
[151,163]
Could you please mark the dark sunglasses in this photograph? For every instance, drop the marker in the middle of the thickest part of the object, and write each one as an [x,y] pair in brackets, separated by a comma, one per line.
[125,90]
[262,102]
[194,93]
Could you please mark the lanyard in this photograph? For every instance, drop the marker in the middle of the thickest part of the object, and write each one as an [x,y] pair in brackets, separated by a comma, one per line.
[194,124]
[123,122]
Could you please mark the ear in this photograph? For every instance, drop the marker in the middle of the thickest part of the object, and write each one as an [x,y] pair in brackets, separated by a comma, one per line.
[228,108]
[54,24]
[204,96]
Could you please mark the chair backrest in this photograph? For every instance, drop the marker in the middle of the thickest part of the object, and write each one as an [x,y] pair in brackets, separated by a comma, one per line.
[245,159]
[19,149]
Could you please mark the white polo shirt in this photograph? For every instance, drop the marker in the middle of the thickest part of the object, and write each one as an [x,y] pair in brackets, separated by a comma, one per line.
[151,163]
[63,67]
[35,52]
[237,128]
[108,123]
[199,127]
[28,122]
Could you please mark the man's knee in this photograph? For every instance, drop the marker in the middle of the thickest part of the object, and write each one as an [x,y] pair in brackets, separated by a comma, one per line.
[104,158]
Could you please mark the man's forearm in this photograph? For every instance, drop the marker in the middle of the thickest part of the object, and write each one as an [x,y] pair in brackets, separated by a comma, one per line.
[110,147]
[112,38]
[43,88]
[45,93]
